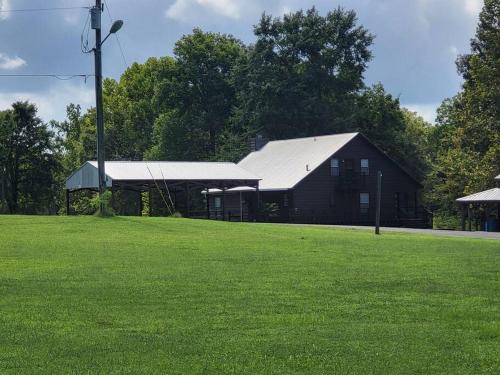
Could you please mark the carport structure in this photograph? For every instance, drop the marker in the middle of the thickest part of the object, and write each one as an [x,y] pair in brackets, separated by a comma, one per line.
[166,177]
[489,200]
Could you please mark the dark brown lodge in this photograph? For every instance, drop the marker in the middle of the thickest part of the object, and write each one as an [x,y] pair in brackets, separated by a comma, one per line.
[328,179]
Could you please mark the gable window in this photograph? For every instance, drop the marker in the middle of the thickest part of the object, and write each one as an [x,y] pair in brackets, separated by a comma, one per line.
[365,167]
[217,202]
[364,203]
[334,167]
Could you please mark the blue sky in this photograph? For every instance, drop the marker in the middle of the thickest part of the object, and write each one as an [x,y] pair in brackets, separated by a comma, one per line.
[415,48]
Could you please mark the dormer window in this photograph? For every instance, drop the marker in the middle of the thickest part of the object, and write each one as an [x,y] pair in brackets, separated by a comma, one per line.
[365,167]
[334,167]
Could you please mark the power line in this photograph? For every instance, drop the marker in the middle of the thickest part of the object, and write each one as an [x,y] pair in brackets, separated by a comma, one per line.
[62,77]
[39,9]
[116,36]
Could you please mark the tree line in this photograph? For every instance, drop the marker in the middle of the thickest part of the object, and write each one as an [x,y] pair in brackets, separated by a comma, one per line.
[303,76]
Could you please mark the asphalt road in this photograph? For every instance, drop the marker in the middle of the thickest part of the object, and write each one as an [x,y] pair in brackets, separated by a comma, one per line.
[432,232]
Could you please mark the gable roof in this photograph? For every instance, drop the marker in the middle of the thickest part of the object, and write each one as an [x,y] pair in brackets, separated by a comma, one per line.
[283,164]
[492,195]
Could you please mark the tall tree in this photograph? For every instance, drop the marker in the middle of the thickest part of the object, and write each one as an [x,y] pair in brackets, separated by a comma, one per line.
[467,142]
[400,133]
[201,95]
[302,74]
[28,160]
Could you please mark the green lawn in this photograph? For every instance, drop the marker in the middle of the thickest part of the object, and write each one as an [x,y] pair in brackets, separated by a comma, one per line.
[83,295]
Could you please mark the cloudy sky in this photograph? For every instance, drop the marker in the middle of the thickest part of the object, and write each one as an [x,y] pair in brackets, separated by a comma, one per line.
[416,43]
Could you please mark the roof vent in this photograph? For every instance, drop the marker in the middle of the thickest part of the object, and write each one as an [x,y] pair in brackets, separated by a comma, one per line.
[307,167]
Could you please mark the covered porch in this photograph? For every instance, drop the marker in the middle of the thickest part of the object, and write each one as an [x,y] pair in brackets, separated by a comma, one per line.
[481,211]
[169,187]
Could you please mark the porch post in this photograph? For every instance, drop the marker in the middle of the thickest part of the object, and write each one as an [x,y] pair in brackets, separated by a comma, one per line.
[257,205]
[469,217]
[463,209]
[187,199]
[207,196]
[224,203]
[150,202]
[67,201]
[140,202]
[241,208]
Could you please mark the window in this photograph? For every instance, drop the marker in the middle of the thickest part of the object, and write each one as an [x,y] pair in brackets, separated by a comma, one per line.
[334,167]
[364,203]
[365,167]
[285,200]
[218,202]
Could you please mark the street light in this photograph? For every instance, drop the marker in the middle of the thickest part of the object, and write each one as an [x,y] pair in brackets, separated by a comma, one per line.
[96,24]
[117,25]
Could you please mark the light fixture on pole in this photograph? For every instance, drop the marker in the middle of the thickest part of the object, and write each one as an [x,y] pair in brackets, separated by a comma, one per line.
[96,25]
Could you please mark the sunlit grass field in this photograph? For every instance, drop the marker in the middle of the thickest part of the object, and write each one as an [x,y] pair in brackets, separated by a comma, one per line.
[84,295]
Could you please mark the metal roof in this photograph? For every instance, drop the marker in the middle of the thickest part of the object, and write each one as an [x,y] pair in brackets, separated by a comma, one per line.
[86,175]
[497,178]
[492,195]
[283,164]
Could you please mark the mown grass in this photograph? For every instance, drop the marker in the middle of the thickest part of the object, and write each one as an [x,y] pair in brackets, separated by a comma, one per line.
[87,295]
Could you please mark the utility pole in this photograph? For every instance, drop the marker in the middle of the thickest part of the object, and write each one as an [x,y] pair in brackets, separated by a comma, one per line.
[96,25]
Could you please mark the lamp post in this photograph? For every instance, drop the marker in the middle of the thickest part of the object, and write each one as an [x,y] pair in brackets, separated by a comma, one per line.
[96,25]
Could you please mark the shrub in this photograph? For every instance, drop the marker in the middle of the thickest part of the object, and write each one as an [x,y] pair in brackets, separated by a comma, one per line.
[102,205]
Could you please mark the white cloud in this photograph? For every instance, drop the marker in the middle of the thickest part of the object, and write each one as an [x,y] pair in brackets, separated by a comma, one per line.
[185,9]
[227,8]
[453,51]
[473,7]
[52,103]
[196,10]
[427,111]
[4,5]
[11,63]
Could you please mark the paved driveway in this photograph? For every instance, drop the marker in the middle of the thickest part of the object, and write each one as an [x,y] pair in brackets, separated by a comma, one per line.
[432,232]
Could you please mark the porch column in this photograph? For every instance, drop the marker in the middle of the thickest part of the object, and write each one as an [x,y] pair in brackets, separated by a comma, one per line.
[241,208]
[224,203]
[67,201]
[150,202]
[207,196]
[464,212]
[469,217]
[187,199]
[140,202]
[257,205]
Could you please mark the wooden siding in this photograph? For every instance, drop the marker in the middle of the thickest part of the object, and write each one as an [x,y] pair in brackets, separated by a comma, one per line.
[327,199]
[324,198]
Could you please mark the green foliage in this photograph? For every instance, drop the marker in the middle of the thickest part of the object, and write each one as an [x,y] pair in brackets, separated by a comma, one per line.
[302,73]
[29,161]
[130,295]
[466,151]
[269,210]
[102,204]
[400,133]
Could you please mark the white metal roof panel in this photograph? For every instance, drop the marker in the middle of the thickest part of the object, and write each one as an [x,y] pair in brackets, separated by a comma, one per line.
[86,176]
[174,170]
[492,195]
[283,164]
[497,178]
